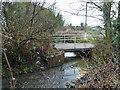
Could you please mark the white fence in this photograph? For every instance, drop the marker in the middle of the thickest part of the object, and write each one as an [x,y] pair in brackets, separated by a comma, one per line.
[66,37]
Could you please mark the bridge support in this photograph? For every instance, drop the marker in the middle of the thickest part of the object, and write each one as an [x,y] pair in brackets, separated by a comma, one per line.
[85,36]
[75,43]
[64,38]
[83,54]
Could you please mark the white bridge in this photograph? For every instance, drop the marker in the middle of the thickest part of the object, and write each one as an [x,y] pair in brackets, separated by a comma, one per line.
[70,42]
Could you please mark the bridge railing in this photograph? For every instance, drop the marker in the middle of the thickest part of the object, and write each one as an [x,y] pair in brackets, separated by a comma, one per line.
[66,38]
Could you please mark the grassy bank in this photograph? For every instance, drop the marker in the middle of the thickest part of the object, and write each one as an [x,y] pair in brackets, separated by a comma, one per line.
[103,71]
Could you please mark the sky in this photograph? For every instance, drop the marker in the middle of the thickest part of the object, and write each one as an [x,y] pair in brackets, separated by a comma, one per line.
[73,12]
[69,10]
[73,7]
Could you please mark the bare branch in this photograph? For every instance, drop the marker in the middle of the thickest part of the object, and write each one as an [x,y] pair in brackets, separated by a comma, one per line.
[97,6]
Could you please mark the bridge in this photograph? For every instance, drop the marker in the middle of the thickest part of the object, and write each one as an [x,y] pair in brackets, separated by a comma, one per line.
[74,47]
[70,43]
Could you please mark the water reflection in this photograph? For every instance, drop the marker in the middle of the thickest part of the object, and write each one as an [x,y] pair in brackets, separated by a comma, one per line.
[54,77]
[69,54]
[71,73]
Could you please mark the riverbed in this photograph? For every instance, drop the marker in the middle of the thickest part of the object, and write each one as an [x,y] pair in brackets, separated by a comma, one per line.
[55,77]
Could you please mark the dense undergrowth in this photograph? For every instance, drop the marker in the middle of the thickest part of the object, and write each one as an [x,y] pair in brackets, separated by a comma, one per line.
[26,30]
[34,62]
[103,71]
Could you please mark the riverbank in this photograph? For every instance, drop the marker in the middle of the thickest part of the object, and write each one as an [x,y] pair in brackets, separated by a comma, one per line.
[50,78]
[29,66]
[101,76]
[104,73]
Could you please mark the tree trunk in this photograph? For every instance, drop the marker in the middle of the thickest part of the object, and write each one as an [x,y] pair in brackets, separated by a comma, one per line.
[105,16]
[119,22]
[108,29]
[12,79]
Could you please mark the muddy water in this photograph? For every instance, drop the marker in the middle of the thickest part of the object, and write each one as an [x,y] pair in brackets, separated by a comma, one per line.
[53,77]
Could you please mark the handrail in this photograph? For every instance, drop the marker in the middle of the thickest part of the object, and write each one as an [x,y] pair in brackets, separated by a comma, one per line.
[64,38]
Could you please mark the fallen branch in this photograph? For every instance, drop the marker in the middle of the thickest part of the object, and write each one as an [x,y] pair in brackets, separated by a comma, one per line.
[12,79]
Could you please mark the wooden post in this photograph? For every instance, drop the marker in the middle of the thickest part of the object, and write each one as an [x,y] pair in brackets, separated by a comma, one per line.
[119,20]
[108,30]
[85,34]
[74,42]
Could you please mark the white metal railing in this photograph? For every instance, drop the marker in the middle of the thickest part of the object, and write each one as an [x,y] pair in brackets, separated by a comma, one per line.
[64,38]
[67,37]
[66,34]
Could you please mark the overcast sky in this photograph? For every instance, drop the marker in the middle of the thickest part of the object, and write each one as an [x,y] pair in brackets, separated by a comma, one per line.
[73,13]
[70,8]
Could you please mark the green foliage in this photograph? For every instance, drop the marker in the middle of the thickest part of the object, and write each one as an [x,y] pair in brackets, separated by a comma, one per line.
[25,70]
[99,53]
[90,40]
[76,27]
[27,22]
[82,26]
[115,34]
[27,27]
[59,20]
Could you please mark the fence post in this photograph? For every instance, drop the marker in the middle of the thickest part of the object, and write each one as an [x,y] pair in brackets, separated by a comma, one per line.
[74,42]
[64,38]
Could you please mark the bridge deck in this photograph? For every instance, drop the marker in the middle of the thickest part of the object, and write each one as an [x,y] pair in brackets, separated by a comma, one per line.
[74,46]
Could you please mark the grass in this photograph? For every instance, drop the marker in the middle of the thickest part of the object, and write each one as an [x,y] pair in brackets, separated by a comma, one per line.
[90,40]
[95,32]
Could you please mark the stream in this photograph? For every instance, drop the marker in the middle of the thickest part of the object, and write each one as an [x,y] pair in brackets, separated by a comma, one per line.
[55,77]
